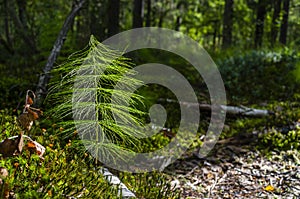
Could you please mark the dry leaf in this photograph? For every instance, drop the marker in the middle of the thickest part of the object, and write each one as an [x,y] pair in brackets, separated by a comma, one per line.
[3,172]
[269,188]
[20,143]
[11,147]
[26,120]
[31,145]
[7,147]
[29,113]
[210,175]
[29,100]
[36,147]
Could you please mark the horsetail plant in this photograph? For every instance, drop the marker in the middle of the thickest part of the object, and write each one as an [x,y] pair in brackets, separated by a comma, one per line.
[87,99]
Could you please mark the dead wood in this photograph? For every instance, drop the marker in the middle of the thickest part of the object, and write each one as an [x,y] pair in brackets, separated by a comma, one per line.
[230,110]
[41,90]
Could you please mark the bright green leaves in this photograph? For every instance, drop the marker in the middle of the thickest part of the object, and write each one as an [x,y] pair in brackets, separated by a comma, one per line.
[94,94]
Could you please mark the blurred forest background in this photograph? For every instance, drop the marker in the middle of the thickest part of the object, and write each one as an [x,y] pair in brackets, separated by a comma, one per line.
[242,37]
[255,44]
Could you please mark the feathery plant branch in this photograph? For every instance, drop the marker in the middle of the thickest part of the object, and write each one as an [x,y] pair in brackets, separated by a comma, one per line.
[84,89]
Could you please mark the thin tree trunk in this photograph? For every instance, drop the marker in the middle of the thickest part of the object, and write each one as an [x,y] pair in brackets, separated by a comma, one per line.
[21,28]
[161,19]
[275,21]
[6,45]
[41,90]
[284,23]
[260,20]
[227,24]
[7,30]
[138,14]
[181,6]
[178,23]
[82,24]
[148,15]
[22,12]
[5,39]
[95,22]
[215,33]
[113,17]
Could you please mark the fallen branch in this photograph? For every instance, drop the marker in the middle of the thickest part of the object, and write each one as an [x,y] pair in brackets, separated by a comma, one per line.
[230,110]
[45,76]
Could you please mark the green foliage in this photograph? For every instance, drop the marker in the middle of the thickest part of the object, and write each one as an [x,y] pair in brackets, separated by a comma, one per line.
[243,36]
[284,131]
[257,76]
[279,131]
[281,140]
[48,24]
[154,143]
[285,112]
[64,172]
[95,72]
[13,83]
[141,184]
[6,123]
[55,177]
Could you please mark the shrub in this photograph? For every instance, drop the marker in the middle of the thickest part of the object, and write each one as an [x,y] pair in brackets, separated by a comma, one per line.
[259,75]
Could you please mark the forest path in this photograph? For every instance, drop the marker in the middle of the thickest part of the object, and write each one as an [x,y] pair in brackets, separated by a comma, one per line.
[235,169]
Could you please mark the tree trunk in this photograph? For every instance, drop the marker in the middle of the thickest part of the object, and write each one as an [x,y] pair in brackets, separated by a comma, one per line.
[95,21]
[260,19]
[41,90]
[227,24]
[22,12]
[7,30]
[181,6]
[103,20]
[178,23]
[21,25]
[5,40]
[138,14]
[161,19]
[275,21]
[82,25]
[148,15]
[113,17]
[284,23]
[216,34]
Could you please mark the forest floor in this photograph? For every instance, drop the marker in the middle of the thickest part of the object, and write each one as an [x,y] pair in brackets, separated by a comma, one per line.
[236,169]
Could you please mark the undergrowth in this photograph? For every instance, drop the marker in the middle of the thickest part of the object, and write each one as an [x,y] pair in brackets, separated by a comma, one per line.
[279,131]
[67,171]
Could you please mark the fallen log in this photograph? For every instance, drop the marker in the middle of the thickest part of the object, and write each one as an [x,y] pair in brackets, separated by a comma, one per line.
[230,110]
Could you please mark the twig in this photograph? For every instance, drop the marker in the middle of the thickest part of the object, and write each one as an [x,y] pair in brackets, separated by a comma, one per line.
[215,183]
